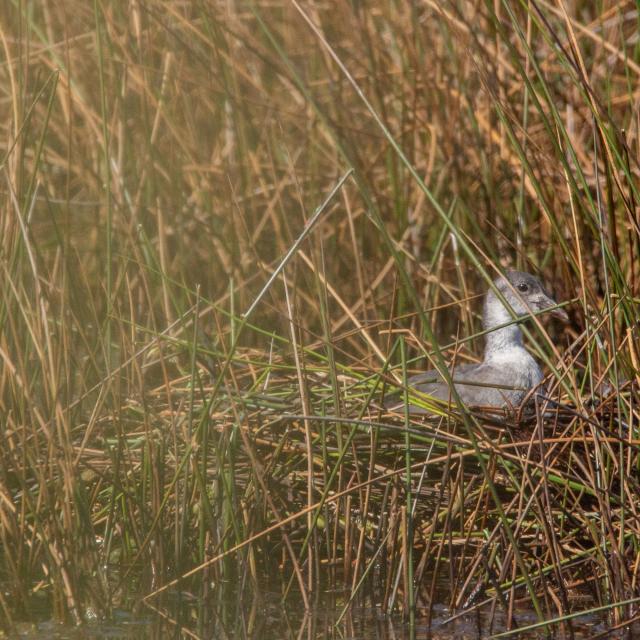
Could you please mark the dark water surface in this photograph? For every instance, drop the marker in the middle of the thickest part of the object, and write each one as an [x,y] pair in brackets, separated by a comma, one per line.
[266,617]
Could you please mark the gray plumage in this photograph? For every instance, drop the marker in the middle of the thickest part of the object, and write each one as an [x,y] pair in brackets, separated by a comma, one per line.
[508,371]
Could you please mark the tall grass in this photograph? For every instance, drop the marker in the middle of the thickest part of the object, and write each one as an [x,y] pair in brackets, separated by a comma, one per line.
[352,175]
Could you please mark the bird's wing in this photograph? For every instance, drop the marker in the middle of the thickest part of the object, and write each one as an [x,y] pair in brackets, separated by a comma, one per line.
[472,384]
[458,373]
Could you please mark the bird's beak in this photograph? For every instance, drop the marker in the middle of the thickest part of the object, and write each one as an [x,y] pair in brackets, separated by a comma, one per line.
[559,313]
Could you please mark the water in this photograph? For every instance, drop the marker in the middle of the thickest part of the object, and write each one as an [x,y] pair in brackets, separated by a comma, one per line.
[265,617]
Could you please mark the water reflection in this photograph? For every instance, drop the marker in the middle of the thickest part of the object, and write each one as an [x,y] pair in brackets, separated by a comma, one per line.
[267,620]
[264,616]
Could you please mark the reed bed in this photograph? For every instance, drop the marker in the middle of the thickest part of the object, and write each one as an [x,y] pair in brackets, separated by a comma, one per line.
[230,230]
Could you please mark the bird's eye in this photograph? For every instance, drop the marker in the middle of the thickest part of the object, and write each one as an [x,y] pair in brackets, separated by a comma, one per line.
[523,286]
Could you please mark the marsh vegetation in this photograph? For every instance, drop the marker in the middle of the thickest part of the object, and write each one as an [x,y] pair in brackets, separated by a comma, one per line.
[160,161]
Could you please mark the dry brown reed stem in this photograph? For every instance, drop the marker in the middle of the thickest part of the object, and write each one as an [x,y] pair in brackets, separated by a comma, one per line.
[295,516]
[307,429]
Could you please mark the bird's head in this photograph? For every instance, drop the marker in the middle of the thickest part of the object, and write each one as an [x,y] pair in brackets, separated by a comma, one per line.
[525,295]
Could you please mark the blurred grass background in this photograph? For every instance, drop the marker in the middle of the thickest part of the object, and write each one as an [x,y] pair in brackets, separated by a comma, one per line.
[158,161]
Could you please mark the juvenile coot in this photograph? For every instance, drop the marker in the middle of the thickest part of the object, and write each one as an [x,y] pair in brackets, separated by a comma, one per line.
[508,371]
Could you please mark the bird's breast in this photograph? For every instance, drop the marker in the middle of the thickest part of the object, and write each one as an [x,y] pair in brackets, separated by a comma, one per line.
[516,364]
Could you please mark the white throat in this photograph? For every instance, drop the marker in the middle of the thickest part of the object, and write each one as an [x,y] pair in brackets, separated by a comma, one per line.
[504,343]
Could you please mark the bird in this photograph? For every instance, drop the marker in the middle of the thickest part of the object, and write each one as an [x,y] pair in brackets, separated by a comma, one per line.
[508,371]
